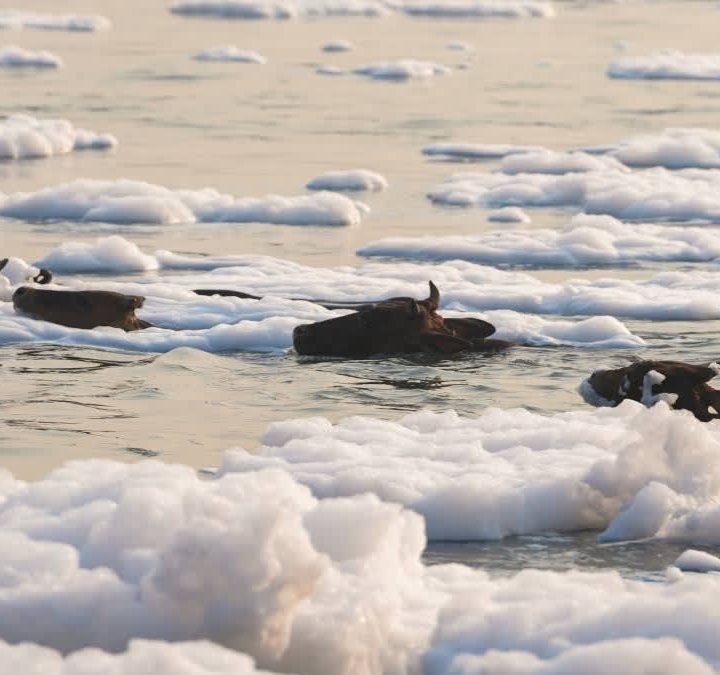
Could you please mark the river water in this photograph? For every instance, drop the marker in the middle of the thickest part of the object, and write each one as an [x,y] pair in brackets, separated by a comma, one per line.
[252,130]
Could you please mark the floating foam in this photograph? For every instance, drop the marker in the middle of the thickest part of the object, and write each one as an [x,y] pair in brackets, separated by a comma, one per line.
[354,180]
[11,18]
[404,69]
[508,214]
[265,9]
[230,53]
[667,65]
[17,57]
[652,194]
[106,255]
[628,470]
[697,561]
[464,286]
[479,8]
[100,553]
[338,46]
[585,240]
[128,202]
[25,137]
[143,657]
[673,148]
[330,70]
[15,272]
[557,163]
[475,151]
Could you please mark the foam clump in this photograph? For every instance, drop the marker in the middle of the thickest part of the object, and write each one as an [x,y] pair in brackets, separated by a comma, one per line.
[26,137]
[231,54]
[330,70]
[657,193]
[628,470]
[128,202]
[17,57]
[697,561]
[15,19]
[474,151]
[288,9]
[353,180]
[667,65]
[112,254]
[479,8]
[403,69]
[336,46]
[585,240]
[508,214]
[557,163]
[674,148]
[458,46]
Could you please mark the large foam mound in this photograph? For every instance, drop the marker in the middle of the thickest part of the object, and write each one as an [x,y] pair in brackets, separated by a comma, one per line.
[586,240]
[231,54]
[11,18]
[403,69]
[282,9]
[17,57]
[127,202]
[652,194]
[24,137]
[667,65]
[99,553]
[629,470]
[353,180]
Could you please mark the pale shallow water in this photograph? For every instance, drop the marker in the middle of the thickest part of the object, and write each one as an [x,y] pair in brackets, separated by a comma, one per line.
[257,129]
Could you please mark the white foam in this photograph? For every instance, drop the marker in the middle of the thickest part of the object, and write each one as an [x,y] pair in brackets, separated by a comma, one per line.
[353,179]
[627,469]
[15,272]
[651,194]
[335,46]
[697,561]
[667,65]
[585,240]
[143,657]
[508,214]
[127,202]
[684,295]
[229,53]
[330,70]
[479,8]
[475,151]
[101,552]
[281,9]
[557,163]
[17,57]
[403,69]
[11,18]
[24,137]
[674,148]
[111,254]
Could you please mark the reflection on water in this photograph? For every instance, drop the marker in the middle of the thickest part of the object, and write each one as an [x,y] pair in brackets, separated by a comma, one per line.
[641,560]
